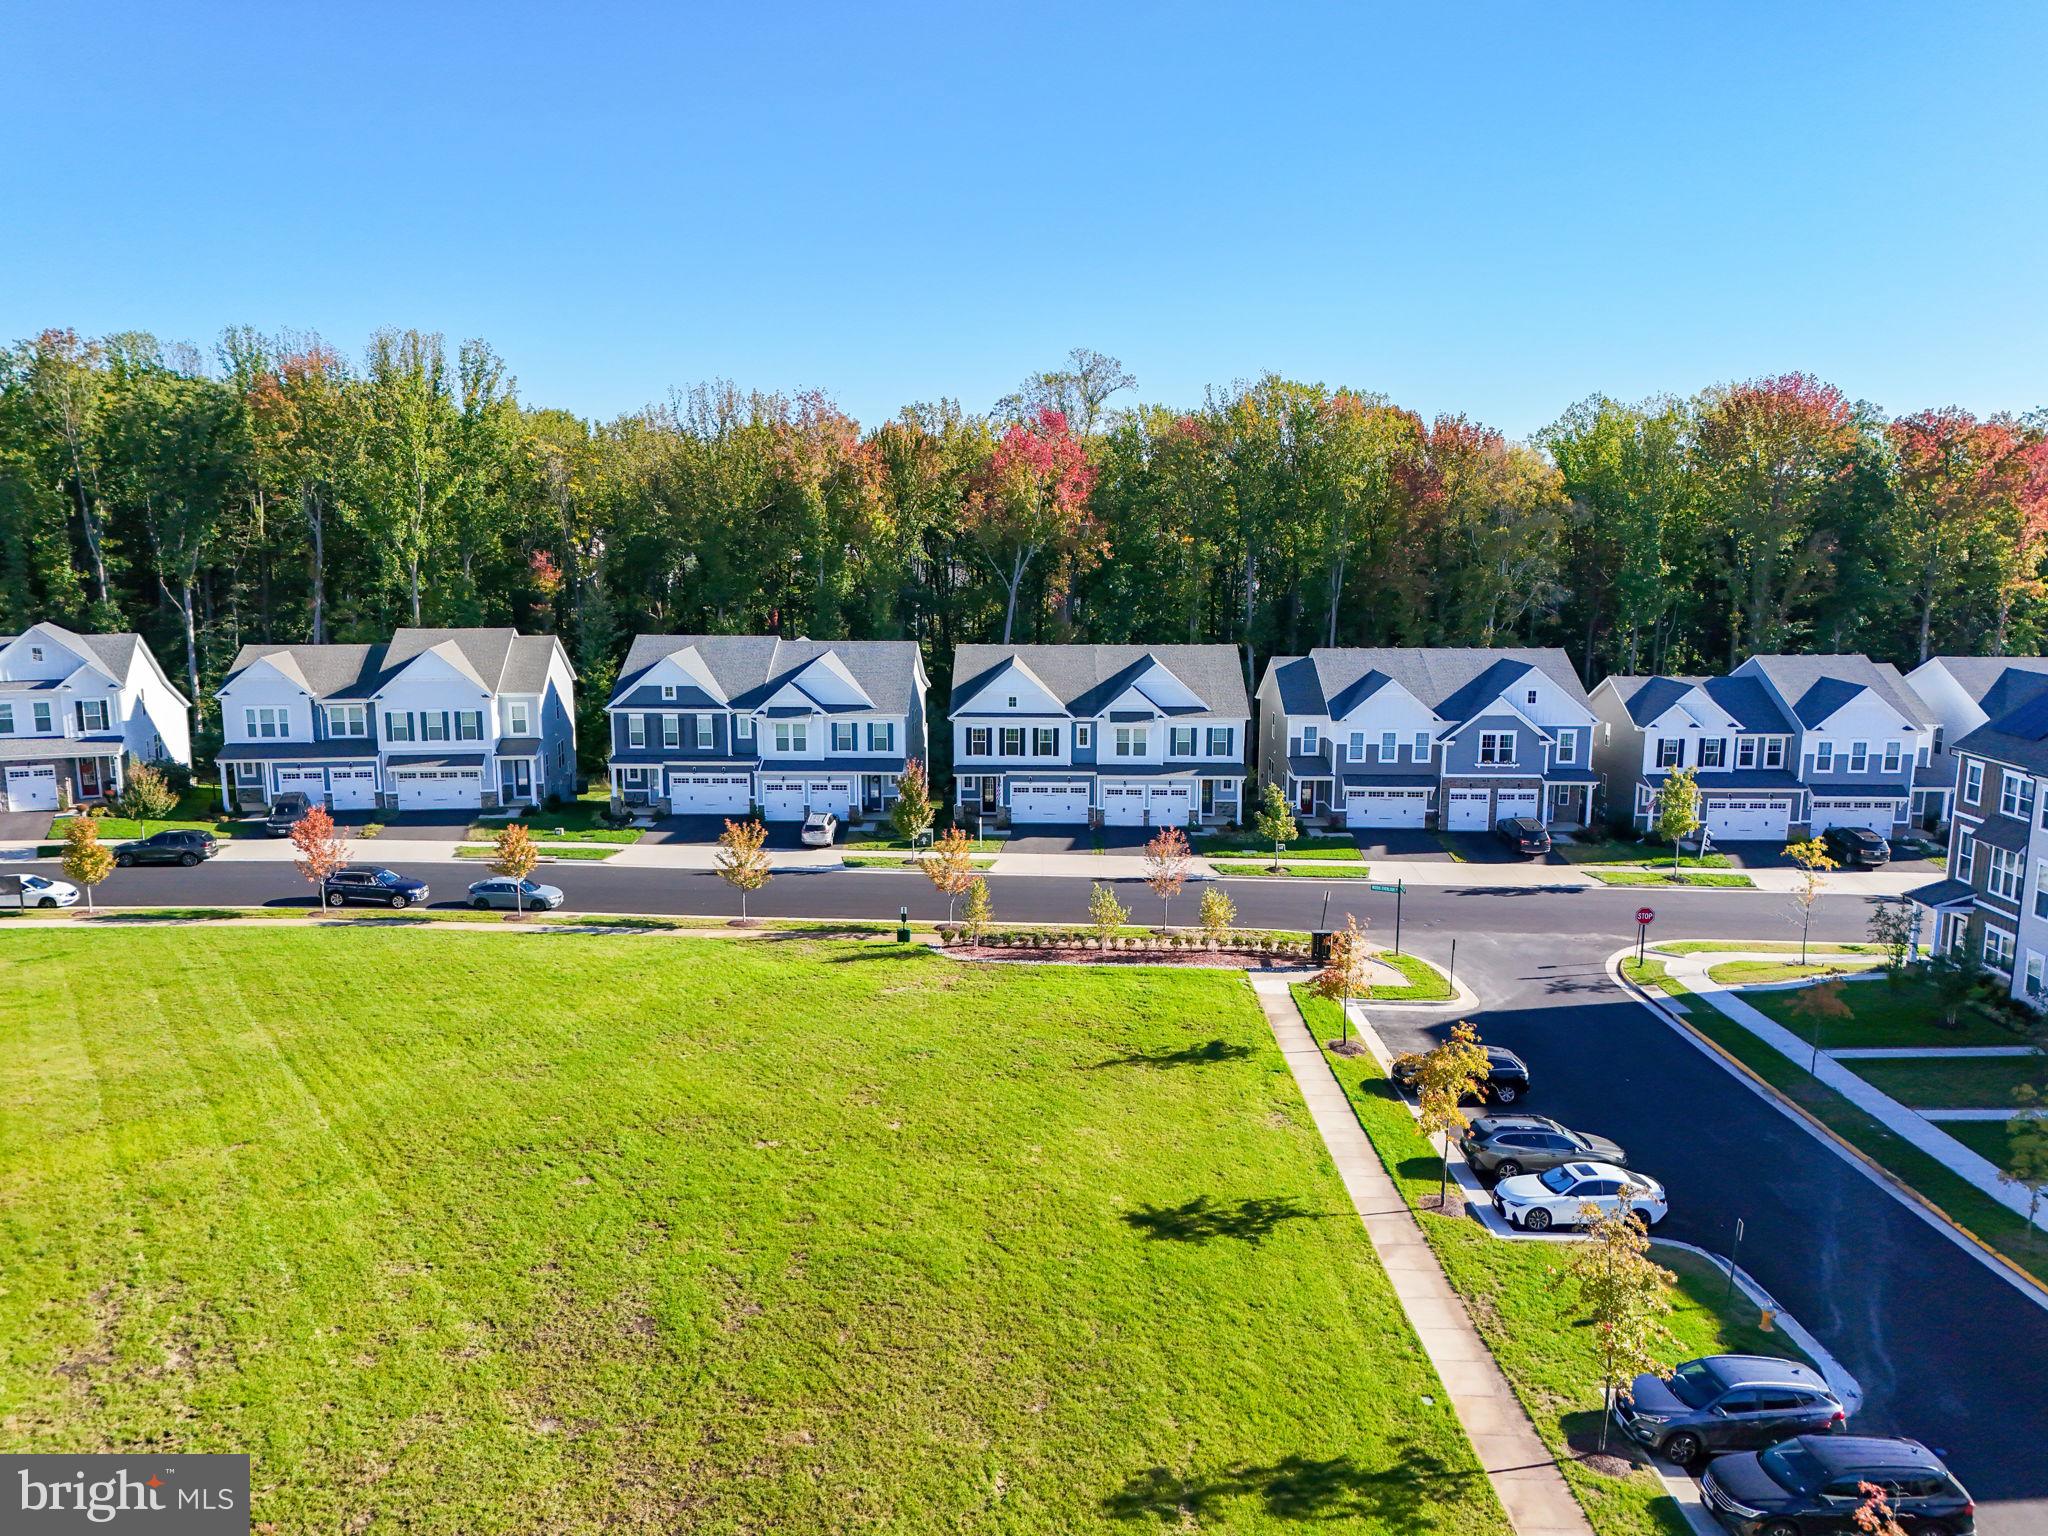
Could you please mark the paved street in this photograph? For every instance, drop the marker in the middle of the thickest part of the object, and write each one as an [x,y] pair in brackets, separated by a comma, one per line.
[1946,1350]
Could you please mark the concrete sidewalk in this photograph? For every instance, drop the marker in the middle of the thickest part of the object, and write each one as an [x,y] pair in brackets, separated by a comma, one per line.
[1524,1476]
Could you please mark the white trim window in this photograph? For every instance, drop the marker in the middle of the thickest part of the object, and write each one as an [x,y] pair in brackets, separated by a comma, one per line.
[1966,855]
[882,737]
[263,722]
[742,727]
[1496,749]
[1045,740]
[636,732]
[792,736]
[6,719]
[977,741]
[1311,741]
[2016,795]
[1823,757]
[1973,780]
[1774,752]
[1422,746]
[397,725]
[704,733]
[1859,757]
[1130,740]
[1013,741]
[1180,740]
[1390,746]
[469,725]
[1713,752]
[1084,734]
[345,720]
[1745,752]
[1219,741]
[433,725]
[1357,748]
[1567,746]
[668,692]
[671,732]
[2037,973]
[518,718]
[1670,751]
[2005,875]
[2041,889]
[1894,757]
[1998,949]
[92,714]
[845,736]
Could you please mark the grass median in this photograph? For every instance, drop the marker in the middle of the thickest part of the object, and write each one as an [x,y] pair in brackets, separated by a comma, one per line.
[1235,870]
[1726,880]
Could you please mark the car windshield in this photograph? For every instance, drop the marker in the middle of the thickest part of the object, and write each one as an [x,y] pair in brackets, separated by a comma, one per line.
[529,887]
[386,877]
[1694,1385]
[1559,1181]
[34,882]
[1793,1466]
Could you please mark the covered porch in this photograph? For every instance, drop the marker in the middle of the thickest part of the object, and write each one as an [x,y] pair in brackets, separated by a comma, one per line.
[48,774]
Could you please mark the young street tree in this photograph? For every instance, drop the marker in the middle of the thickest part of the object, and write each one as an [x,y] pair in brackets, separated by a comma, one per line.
[1953,983]
[1105,913]
[1814,862]
[1891,930]
[1820,1005]
[1627,1297]
[1275,819]
[321,850]
[1167,858]
[950,866]
[515,859]
[1349,973]
[1678,812]
[911,815]
[743,859]
[1219,912]
[981,910]
[1444,1078]
[145,794]
[2026,1135]
[87,860]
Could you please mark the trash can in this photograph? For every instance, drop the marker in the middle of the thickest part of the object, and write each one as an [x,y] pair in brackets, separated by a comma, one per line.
[1319,946]
[903,925]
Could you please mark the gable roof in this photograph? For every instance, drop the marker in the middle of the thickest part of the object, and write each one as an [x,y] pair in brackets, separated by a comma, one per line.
[1087,678]
[115,650]
[1744,698]
[1454,681]
[1997,684]
[1816,686]
[749,669]
[499,660]
[2019,737]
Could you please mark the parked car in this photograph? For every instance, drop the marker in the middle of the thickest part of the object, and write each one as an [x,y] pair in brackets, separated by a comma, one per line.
[1525,835]
[36,891]
[373,885]
[1856,847]
[1506,1080]
[187,848]
[501,891]
[1536,1202]
[820,830]
[1510,1145]
[285,812]
[1728,1403]
[1814,1482]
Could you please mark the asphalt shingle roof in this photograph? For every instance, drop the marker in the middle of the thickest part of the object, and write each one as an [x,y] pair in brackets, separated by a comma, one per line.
[750,668]
[1816,686]
[1455,681]
[2019,737]
[1997,683]
[1743,697]
[1085,678]
[502,660]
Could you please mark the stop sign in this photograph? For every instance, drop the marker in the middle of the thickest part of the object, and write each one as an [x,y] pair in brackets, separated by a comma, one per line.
[1644,916]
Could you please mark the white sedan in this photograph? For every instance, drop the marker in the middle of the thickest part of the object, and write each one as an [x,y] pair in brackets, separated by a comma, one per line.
[36,891]
[1536,1202]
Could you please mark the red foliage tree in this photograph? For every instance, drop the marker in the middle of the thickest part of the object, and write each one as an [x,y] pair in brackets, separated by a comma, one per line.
[1031,500]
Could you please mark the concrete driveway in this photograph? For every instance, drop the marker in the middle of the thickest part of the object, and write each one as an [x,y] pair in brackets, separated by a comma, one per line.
[415,826]
[25,826]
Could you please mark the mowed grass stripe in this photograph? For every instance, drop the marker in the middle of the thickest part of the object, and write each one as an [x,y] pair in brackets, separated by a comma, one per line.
[497,1234]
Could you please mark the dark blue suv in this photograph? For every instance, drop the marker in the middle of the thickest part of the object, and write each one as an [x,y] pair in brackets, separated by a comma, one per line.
[373,885]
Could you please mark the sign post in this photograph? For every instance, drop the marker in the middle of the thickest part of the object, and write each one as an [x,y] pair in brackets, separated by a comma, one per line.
[1644,917]
[1397,890]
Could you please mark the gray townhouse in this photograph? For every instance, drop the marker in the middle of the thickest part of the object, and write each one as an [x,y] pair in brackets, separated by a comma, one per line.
[1963,693]
[729,725]
[1110,735]
[435,719]
[1456,738]
[74,708]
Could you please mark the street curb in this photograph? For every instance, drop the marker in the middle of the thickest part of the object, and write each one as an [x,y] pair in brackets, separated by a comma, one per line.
[2017,1277]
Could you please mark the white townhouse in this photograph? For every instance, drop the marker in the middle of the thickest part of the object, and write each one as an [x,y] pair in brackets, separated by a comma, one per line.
[1962,693]
[1730,733]
[728,724]
[73,707]
[1114,735]
[1860,738]
[438,719]
[1460,738]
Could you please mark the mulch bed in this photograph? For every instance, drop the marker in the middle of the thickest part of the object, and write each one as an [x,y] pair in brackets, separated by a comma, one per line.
[1215,959]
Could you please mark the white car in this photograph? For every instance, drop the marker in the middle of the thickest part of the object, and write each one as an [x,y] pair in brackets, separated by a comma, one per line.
[36,891]
[1536,1202]
[820,829]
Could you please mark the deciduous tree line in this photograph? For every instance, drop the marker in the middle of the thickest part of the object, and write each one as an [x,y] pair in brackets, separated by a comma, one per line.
[277,490]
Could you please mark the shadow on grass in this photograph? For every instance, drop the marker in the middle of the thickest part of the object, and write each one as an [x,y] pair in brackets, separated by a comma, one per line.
[1201,1221]
[1207,1054]
[1405,1496]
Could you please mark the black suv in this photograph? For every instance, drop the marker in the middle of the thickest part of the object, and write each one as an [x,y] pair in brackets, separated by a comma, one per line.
[1728,1403]
[1525,835]
[187,848]
[1856,847]
[374,886]
[1814,1483]
[1505,1145]
[1507,1078]
[285,812]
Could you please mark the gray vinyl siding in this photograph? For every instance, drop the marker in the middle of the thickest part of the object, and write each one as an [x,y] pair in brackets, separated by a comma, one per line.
[686,747]
[1461,754]
[1841,773]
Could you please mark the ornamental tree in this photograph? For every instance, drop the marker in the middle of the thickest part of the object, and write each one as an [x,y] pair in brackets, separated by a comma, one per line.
[911,815]
[1105,913]
[950,866]
[1626,1296]
[1814,862]
[87,860]
[1031,500]
[320,849]
[742,858]
[1349,973]
[1445,1077]
[145,794]
[515,859]
[1678,811]
[1219,912]
[2026,1135]
[1275,819]
[1167,858]
[1820,1005]
[1891,930]
[981,909]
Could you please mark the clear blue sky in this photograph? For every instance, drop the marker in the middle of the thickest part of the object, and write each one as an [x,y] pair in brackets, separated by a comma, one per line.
[1493,209]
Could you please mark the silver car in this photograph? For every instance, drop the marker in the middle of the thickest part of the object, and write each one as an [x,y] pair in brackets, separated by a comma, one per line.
[500,891]
[821,828]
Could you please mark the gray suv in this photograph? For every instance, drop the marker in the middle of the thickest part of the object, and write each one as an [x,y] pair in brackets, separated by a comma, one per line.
[1505,1145]
[1728,1403]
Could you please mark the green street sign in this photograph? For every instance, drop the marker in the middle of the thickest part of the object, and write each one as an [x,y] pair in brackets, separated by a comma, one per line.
[1391,890]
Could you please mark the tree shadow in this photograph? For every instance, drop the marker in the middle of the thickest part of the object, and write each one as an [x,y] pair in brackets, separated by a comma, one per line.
[1200,1221]
[1207,1054]
[1406,1496]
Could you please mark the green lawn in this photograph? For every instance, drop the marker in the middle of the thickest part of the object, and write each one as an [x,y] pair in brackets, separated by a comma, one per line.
[1614,850]
[860,844]
[197,810]
[1665,877]
[1239,871]
[1751,973]
[1532,1325]
[579,821]
[471,1233]
[1320,847]
[1987,1138]
[1963,1082]
[883,861]
[486,851]
[1760,947]
[1886,1013]
[1653,974]
[1424,982]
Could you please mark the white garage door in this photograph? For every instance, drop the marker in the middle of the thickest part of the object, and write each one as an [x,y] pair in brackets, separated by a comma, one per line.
[1147,804]
[438,789]
[1878,815]
[310,782]
[782,799]
[1465,810]
[1752,820]
[1040,803]
[1385,807]
[708,794]
[352,789]
[1170,804]
[1517,802]
[834,795]
[33,788]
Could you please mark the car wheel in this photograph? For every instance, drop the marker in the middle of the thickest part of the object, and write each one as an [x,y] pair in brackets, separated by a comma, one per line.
[1779,1528]
[1536,1221]
[125,861]
[188,859]
[334,898]
[1639,1221]
[1508,1169]
[1683,1448]
[47,901]
[1506,1093]
[480,903]
[397,902]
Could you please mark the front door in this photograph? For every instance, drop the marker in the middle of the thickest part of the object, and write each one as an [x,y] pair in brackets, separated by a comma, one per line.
[1305,800]
[515,780]
[90,785]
